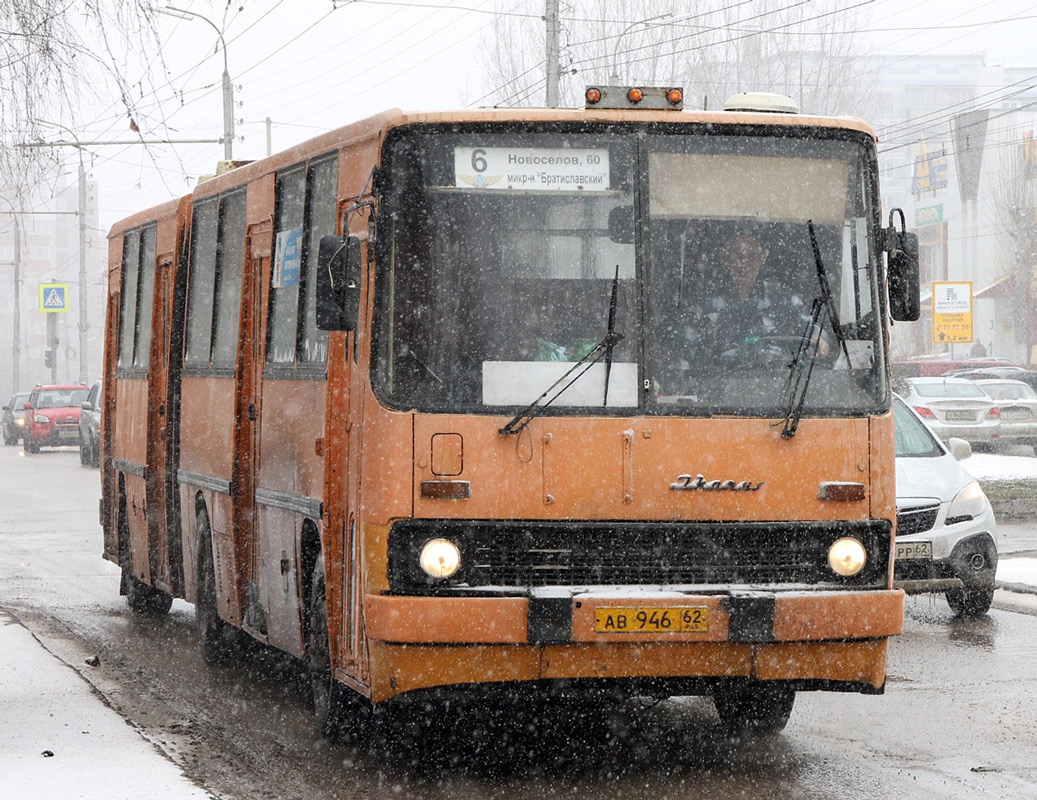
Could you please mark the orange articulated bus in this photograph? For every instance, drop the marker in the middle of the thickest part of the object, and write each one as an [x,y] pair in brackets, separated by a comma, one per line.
[439,402]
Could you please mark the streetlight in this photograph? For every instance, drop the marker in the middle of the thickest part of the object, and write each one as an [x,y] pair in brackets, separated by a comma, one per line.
[228,90]
[624,32]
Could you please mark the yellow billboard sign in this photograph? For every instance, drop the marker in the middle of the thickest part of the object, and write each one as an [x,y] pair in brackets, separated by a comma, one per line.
[952,311]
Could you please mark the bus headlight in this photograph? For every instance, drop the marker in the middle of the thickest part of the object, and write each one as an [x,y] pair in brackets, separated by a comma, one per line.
[439,558]
[847,557]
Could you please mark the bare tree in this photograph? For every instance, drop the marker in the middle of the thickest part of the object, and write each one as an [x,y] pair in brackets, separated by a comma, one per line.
[53,55]
[803,49]
[1015,206]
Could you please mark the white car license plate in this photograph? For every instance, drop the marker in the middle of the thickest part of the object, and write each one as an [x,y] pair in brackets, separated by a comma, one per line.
[913,550]
[960,416]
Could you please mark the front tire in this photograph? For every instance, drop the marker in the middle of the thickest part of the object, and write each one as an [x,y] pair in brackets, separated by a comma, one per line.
[84,451]
[754,708]
[339,712]
[970,602]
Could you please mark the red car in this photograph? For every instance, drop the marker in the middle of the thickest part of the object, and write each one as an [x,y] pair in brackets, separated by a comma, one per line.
[52,416]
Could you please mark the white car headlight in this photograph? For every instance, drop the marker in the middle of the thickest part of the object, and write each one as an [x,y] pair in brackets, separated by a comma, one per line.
[967,504]
[41,419]
[847,557]
[439,558]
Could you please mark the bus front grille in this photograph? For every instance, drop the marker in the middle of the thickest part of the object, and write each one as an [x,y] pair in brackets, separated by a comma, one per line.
[529,554]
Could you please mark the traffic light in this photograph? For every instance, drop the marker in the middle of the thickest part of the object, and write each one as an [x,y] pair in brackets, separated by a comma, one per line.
[48,358]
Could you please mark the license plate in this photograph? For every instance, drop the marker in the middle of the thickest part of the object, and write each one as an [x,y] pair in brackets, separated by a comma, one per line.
[1015,413]
[69,434]
[651,619]
[913,550]
[960,416]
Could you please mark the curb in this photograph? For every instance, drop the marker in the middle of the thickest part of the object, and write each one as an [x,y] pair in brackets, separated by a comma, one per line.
[1018,588]
[1014,509]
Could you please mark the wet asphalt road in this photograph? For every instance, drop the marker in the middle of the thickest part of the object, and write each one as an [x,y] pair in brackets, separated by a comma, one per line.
[957,719]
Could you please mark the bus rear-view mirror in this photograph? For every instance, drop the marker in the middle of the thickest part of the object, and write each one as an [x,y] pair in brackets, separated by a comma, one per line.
[338,283]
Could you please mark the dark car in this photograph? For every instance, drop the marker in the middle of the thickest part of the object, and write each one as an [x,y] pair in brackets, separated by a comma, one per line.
[13,419]
[90,428]
[52,416]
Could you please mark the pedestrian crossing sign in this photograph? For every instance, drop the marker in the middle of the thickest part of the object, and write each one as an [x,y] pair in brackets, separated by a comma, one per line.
[53,297]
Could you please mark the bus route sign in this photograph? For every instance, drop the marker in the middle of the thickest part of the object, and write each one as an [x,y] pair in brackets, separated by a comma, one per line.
[53,297]
[531,168]
[952,312]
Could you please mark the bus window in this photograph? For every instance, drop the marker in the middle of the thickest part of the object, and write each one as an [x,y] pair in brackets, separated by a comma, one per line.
[229,261]
[146,297]
[284,293]
[306,205]
[489,285]
[201,283]
[128,315]
[321,201]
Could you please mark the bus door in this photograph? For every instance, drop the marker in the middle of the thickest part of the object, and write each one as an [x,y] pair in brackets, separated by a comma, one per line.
[164,552]
[258,248]
[342,446]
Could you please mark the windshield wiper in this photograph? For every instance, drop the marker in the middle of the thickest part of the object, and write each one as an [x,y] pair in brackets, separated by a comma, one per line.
[610,330]
[603,348]
[802,366]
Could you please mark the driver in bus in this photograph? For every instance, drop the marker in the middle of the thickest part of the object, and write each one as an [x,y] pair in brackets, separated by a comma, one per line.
[741,315]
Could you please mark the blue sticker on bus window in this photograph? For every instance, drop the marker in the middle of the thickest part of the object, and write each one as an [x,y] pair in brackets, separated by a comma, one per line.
[288,258]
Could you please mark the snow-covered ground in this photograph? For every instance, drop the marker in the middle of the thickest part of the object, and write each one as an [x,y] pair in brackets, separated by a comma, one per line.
[987,466]
[990,466]
[59,740]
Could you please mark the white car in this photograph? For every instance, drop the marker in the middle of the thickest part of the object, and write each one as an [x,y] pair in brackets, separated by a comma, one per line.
[1018,404]
[946,534]
[955,407]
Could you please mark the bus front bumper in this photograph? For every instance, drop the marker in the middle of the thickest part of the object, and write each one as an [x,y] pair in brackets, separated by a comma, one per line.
[829,638]
[562,616]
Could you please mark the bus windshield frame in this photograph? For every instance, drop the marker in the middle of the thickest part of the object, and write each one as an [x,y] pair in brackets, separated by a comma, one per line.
[506,251]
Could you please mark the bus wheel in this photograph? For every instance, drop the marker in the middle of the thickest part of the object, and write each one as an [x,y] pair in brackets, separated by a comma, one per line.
[754,708]
[217,636]
[145,600]
[331,700]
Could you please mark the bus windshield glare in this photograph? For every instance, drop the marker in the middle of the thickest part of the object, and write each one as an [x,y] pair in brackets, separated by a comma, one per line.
[505,254]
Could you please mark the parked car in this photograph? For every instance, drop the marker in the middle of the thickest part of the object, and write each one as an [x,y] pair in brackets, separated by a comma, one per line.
[946,538]
[13,418]
[52,417]
[90,428]
[955,407]
[1027,376]
[1018,404]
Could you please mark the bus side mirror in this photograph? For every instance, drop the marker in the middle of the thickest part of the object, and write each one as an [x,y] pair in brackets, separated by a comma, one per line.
[338,283]
[905,304]
[621,224]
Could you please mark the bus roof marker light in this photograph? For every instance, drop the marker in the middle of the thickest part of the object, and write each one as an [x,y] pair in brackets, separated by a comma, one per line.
[655,98]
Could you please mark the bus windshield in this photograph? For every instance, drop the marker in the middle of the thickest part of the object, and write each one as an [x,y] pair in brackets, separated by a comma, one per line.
[506,256]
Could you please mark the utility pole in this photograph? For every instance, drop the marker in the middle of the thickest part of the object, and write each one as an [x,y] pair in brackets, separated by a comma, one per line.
[552,67]
[16,373]
[84,324]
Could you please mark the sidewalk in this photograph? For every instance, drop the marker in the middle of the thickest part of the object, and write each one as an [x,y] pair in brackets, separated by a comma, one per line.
[60,740]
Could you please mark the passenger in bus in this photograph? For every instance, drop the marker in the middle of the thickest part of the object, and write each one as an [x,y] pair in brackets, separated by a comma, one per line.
[742,314]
